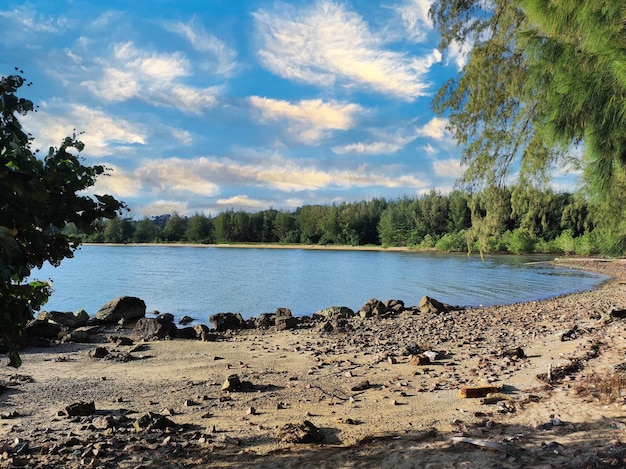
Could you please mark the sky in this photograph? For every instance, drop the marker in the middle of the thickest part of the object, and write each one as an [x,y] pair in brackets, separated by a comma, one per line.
[203,106]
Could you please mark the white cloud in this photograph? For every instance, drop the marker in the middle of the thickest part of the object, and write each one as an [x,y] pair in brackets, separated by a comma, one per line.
[415,18]
[309,120]
[178,175]
[435,128]
[159,207]
[326,44]
[117,182]
[224,57]
[374,148]
[448,168]
[243,202]
[153,77]
[26,19]
[203,176]
[458,52]
[102,134]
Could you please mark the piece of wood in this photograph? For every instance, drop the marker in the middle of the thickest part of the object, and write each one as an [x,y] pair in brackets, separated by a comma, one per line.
[477,391]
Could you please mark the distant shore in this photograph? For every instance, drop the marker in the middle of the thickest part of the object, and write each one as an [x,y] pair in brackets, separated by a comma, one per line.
[321,247]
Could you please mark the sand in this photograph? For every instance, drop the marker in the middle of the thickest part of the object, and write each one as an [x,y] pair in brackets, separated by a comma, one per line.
[406,416]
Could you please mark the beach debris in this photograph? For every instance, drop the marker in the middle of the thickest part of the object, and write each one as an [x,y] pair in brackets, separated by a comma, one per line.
[493,398]
[80,409]
[305,432]
[557,373]
[123,308]
[615,313]
[478,391]
[506,448]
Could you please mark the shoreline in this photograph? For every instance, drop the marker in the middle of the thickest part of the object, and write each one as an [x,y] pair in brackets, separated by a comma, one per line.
[407,414]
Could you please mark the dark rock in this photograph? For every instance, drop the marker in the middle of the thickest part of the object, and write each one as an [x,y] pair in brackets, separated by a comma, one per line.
[42,328]
[227,321]
[204,334]
[419,360]
[150,329]
[185,320]
[617,313]
[265,321]
[284,320]
[153,421]
[429,305]
[80,409]
[79,337]
[123,308]
[99,352]
[66,319]
[362,386]
[305,432]
[232,383]
[373,308]
[165,317]
[514,352]
[187,333]
[121,340]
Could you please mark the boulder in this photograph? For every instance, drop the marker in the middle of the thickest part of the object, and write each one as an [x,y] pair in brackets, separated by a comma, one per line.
[429,305]
[204,334]
[372,308]
[227,321]
[66,319]
[185,320]
[395,306]
[305,432]
[123,308]
[265,321]
[284,320]
[151,328]
[42,328]
[335,312]
[186,333]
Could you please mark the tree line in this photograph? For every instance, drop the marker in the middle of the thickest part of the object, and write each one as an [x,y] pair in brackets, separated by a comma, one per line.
[527,221]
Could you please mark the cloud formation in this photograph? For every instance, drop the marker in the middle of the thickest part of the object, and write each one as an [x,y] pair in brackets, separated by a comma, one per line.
[327,44]
[308,120]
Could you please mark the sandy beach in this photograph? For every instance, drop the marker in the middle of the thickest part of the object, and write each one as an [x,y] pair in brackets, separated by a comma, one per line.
[356,396]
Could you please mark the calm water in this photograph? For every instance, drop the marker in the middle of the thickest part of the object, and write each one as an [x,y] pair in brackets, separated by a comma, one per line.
[203,281]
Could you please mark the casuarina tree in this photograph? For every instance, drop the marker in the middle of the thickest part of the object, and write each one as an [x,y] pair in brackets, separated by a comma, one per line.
[39,196]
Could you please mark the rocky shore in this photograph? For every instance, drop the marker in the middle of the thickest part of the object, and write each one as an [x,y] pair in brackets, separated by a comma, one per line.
[378,387]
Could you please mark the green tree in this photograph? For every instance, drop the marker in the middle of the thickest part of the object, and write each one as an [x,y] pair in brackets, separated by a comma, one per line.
[199,229]
[38,198]
[145,231]
[118,230]
[175,228]
[543,77]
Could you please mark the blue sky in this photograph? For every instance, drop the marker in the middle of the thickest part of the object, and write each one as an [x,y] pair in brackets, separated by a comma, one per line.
[207,105]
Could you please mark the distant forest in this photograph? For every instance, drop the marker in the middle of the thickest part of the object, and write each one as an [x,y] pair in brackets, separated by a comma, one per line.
[527,222]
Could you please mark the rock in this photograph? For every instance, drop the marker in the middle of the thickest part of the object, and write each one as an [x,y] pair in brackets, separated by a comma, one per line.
[153,421]
[232,383]
[185,320]
[227,321]
[121,340]
[617,313]
[372,308]
[265,321]
[98,352]
[431,355]
[419,360]
[66,319]
[514,352]
[81,409]
[204,334]
[429,305]
[335,312]
[79,337]
[42,328]
[412,349]
[187,333]
[395,306]
[305,432]
[362,386]
[151,329]
[123,308]
[284,320]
